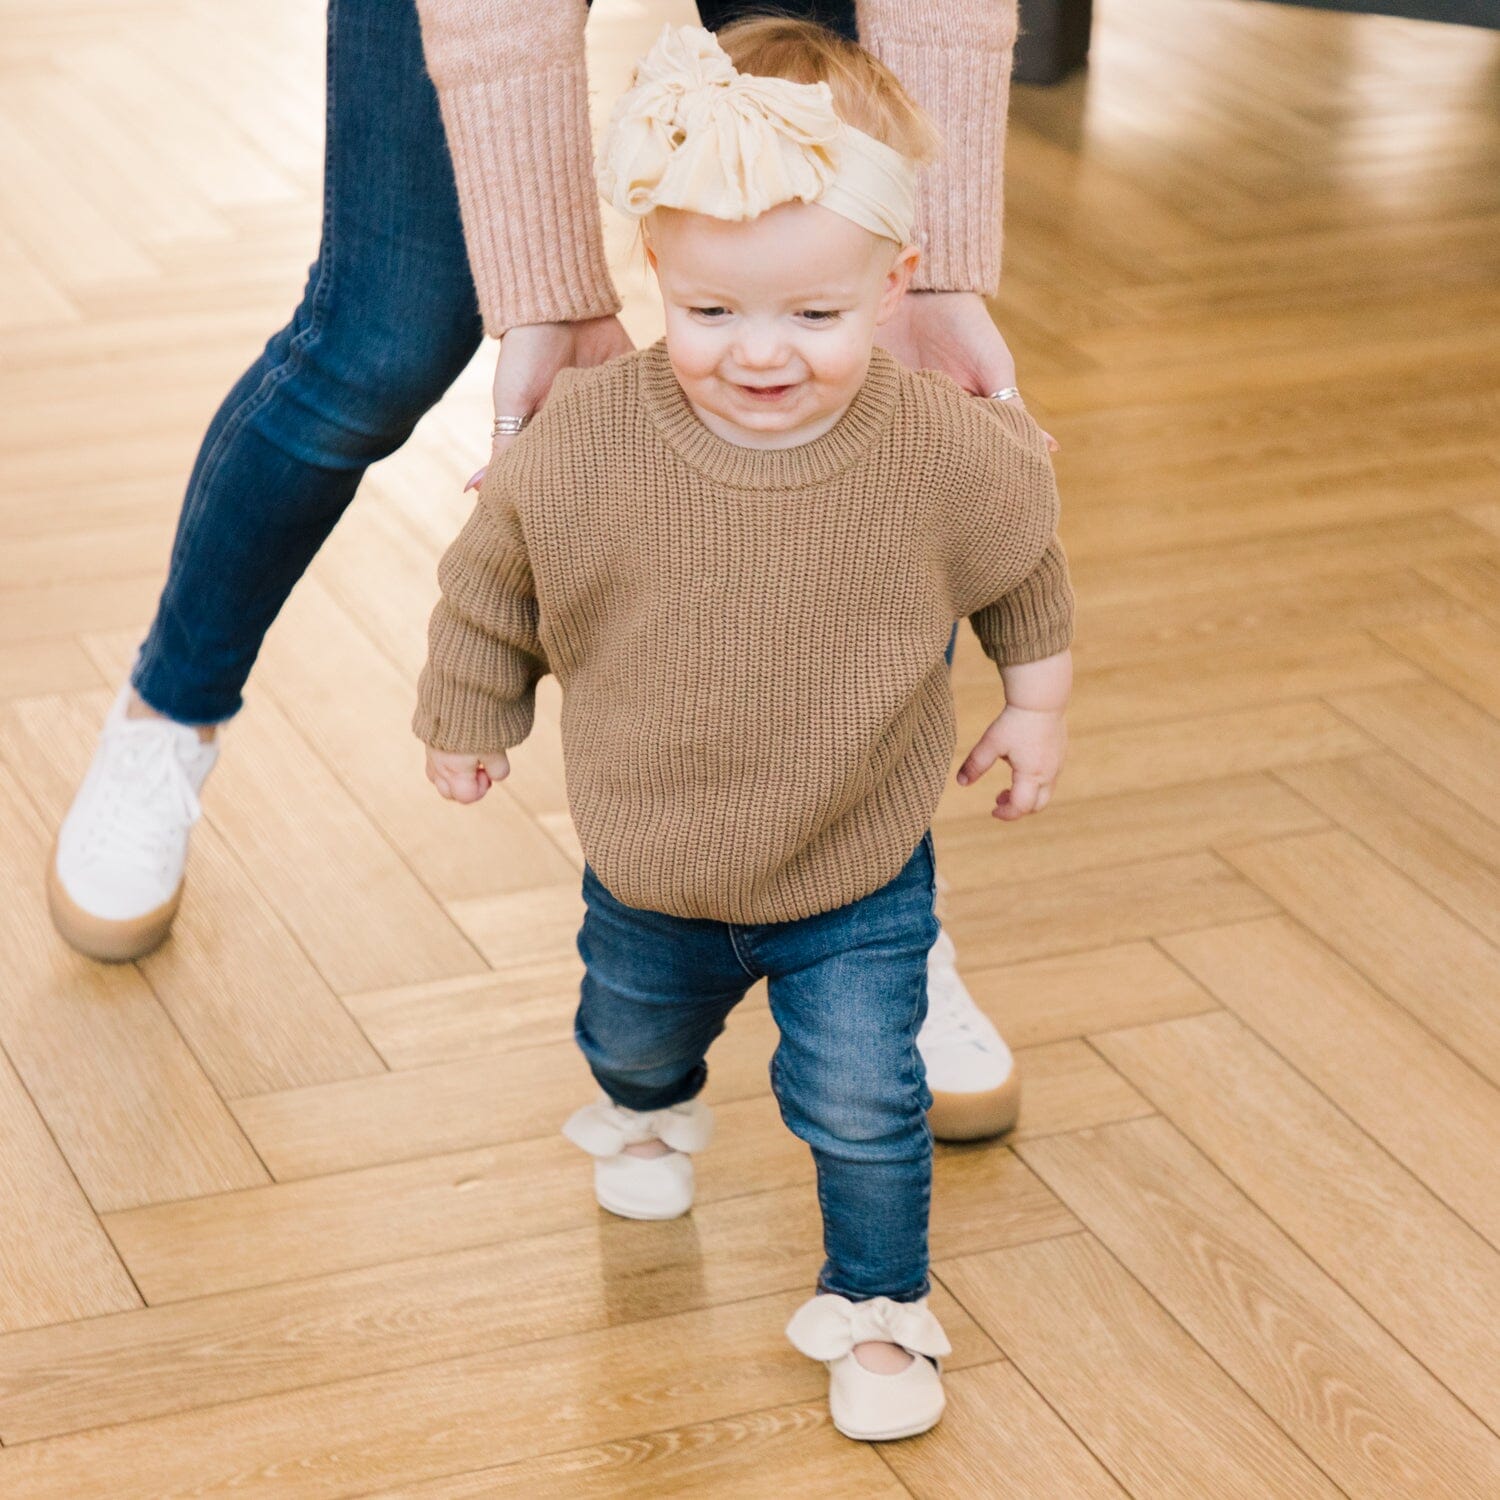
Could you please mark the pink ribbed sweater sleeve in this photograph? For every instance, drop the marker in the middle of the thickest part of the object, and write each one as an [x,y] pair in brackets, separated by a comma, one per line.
[953,57]
[513,86]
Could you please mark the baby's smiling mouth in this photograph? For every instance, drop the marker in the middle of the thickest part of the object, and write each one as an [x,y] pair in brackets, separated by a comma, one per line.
[765,392]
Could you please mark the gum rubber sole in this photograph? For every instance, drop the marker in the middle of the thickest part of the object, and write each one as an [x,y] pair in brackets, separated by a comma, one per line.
[98,938]
[977,1116]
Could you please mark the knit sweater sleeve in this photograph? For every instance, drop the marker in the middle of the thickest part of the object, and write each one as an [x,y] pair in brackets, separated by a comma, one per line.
[953,57]
[477,692]
[1010,534]
[512,84]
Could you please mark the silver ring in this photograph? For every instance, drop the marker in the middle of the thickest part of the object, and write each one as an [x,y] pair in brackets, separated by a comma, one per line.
[509,426]
[1010,393]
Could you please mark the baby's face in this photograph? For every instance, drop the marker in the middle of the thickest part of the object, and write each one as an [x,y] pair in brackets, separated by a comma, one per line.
[770,322]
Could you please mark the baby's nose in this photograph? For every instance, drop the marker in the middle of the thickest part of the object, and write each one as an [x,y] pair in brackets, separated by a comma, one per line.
[763,352]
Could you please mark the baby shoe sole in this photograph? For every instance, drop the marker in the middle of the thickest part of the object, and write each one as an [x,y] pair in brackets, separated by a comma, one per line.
[976,1116]
[99,938]
[621,1211]
[890,1434]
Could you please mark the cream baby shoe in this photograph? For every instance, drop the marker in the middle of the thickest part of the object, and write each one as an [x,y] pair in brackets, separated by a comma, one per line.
[871,1407]
[642,1187]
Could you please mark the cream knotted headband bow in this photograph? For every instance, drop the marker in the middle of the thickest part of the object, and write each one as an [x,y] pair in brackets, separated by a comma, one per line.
[693,133]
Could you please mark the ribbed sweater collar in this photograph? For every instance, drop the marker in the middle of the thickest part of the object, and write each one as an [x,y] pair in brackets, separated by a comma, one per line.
[862,423]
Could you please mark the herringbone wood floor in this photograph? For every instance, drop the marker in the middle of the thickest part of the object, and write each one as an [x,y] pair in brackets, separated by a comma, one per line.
[286,1212]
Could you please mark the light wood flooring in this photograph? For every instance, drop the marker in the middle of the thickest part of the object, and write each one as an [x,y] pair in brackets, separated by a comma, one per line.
[286,1212]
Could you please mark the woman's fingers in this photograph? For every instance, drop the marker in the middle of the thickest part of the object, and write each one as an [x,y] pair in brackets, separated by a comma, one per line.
[496,767]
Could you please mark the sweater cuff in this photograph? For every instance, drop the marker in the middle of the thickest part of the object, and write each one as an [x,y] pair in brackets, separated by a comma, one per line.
[464,720]
[960,194]
[1033,621]
[523,161]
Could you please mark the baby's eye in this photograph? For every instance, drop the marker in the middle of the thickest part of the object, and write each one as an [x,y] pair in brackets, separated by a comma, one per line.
[821,315]
[707,312]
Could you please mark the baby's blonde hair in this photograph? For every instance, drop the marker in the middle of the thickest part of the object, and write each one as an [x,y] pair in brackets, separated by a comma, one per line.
[866,94]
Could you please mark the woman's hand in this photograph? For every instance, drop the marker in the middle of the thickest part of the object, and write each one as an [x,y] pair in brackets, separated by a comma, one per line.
[533,353]
[1033,741]
[952,332]
[465,778]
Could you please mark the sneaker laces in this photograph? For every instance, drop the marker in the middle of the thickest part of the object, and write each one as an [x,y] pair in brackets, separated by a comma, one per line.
[952,1015]
[146,800]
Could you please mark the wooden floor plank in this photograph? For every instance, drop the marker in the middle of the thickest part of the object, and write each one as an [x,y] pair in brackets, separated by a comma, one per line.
[1413,1265]
[1372,1418]
[786,1450]
[535,1186]
[1427,1107]
[59,665]
[125,1100]
[1447,739]
[976,851]
[1462,651]
[56,1263]
[1051,999]
[1196,682]
[1151,1405]
[1098,907]
[1435,840]
[1019,1448]
[343,1439]
[1416,951]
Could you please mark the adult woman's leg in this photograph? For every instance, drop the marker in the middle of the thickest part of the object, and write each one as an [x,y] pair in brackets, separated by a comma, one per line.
[386,322]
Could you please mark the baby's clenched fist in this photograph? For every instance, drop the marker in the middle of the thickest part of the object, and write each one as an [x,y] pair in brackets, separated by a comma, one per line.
[465,778]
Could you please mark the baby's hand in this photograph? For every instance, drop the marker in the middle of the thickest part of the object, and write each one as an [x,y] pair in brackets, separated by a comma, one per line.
[1033,741]
[465,778]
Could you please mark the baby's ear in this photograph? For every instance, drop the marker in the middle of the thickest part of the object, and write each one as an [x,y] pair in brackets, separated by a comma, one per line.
[897,280]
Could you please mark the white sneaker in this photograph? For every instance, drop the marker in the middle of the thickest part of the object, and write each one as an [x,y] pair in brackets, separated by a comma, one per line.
[976,1091]
[864,1404]
[117,870]
[642,1187]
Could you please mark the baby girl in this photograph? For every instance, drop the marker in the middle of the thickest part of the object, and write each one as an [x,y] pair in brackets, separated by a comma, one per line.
[742,551]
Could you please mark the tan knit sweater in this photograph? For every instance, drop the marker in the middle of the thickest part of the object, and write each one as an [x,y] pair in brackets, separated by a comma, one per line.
[513,88]
[756,719]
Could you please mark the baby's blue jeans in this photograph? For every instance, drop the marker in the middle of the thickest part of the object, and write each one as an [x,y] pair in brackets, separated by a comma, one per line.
[848,991]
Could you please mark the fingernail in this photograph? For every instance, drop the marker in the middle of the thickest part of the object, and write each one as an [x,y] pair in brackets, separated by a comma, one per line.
[474,481]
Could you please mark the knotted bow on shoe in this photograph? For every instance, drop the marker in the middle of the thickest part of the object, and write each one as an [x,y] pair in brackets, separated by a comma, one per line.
[828,1327]
[605,1128]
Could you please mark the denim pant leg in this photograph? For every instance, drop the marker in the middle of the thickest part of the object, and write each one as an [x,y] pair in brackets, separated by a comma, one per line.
[388,319]
[656,990]
[848,990]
